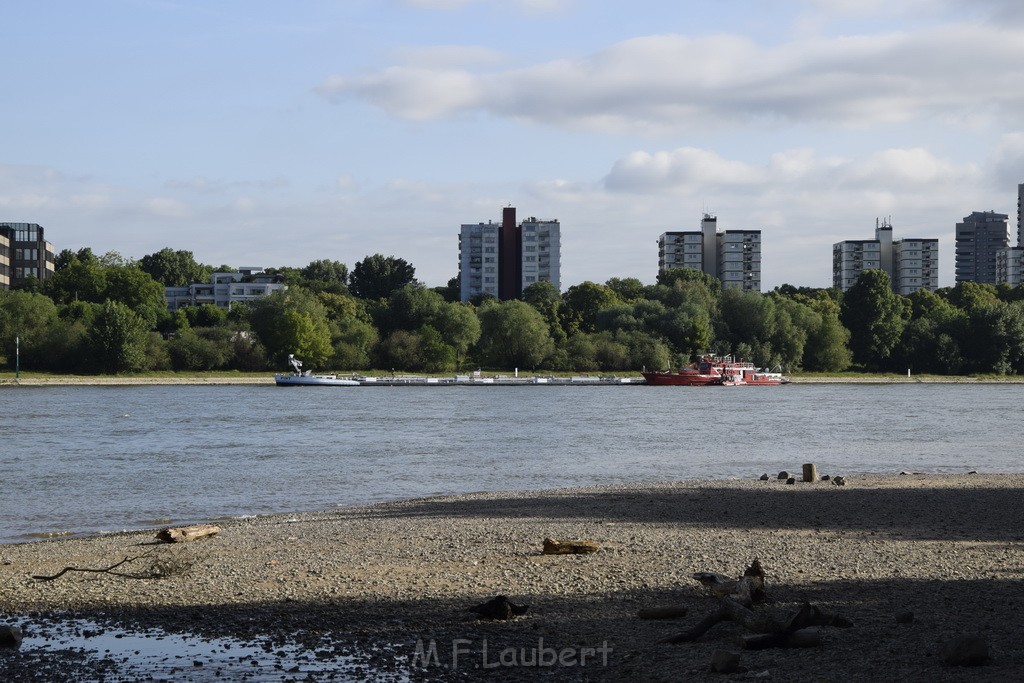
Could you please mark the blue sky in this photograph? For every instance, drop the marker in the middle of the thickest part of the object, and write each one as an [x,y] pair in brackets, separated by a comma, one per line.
[269,134]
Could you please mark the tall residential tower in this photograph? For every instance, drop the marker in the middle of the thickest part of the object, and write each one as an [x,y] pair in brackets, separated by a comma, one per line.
[503,259]
[733,256]
[911,263]
[979,239]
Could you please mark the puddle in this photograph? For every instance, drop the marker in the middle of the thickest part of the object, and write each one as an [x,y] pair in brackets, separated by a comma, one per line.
[81,648]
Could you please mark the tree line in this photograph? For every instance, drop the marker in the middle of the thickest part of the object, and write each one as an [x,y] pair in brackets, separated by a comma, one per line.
[108,314]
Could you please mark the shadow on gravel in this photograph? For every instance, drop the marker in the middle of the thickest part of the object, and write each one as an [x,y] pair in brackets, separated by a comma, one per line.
[968,514]
[437,640]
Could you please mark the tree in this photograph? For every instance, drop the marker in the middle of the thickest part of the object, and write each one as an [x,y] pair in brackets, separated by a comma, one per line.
[66,256]
[292,321]
[452,292]
[324,275]
[377,276]
[547,300]
[583,302]
[326,271]
[513,335]
[875,316]
[78,281]
[670,277]
[174,268]
[459,326]
[354,341]
[26,316]
[627,289]
[117,339]
[191,351]
[133,287]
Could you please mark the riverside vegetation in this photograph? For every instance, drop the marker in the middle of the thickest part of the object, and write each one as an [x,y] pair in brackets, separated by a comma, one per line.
[107,314]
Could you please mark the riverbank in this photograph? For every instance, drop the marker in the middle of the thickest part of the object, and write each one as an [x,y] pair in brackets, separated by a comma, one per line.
[402,575]
[115,380]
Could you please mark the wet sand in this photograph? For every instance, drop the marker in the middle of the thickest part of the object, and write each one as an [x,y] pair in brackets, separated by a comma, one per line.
[949,549]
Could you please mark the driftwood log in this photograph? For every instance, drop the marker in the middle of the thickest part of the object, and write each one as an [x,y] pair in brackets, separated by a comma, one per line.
[553,547]
[736,599]
[186,533]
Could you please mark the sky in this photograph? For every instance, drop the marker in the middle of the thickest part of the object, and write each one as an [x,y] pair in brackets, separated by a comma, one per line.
[262,133]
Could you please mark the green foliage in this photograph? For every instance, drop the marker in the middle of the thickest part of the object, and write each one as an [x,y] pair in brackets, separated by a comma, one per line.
[377,276]
[117,339]
[628,289]
[292,321]
[582,303]
[173,268]
[27,316]
[513,335]
[354,341]
[875,316]
[205,315]
[674,276]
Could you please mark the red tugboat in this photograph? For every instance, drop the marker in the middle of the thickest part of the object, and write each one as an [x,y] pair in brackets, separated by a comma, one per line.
[716,371]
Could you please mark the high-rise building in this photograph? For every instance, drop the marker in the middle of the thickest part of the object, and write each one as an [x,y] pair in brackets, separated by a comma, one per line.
[733,256]
[1020,214]
[1008,261]
[24,253]
[979,239]
[503,259]
[911,263]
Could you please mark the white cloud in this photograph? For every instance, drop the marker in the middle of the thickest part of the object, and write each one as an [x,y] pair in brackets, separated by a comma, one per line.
[674,82]
[166,208]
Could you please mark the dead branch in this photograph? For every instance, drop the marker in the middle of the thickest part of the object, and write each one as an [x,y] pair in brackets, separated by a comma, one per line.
[155,571]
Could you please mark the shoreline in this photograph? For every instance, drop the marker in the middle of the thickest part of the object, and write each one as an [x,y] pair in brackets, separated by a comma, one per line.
[269,380]
[946,547]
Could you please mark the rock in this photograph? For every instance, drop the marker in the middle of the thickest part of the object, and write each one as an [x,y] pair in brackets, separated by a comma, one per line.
[783,475]
[765,477]
[905,617]
[826,477]
[791,480]
[966,651]
[725,662]
[839,481]
[973,472]
[499,607]
[10,636]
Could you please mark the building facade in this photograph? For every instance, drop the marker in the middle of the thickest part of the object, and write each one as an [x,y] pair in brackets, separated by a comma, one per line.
[225,289]
[24,253]
[733,256]
[911,263]
[979,239]
[503,259]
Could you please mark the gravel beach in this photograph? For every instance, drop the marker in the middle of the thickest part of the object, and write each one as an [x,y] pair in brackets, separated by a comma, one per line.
[390,584]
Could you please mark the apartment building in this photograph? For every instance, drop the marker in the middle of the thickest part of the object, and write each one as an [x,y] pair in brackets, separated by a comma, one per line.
[1008,261]
[911,263]
[502,259]
[225,289]
[732,256]
[24,253]
[979,239]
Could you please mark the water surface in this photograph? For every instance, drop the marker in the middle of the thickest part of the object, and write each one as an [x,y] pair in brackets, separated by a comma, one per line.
[88,459]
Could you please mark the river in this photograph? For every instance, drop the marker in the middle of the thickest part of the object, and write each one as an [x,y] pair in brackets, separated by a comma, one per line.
[87,459]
